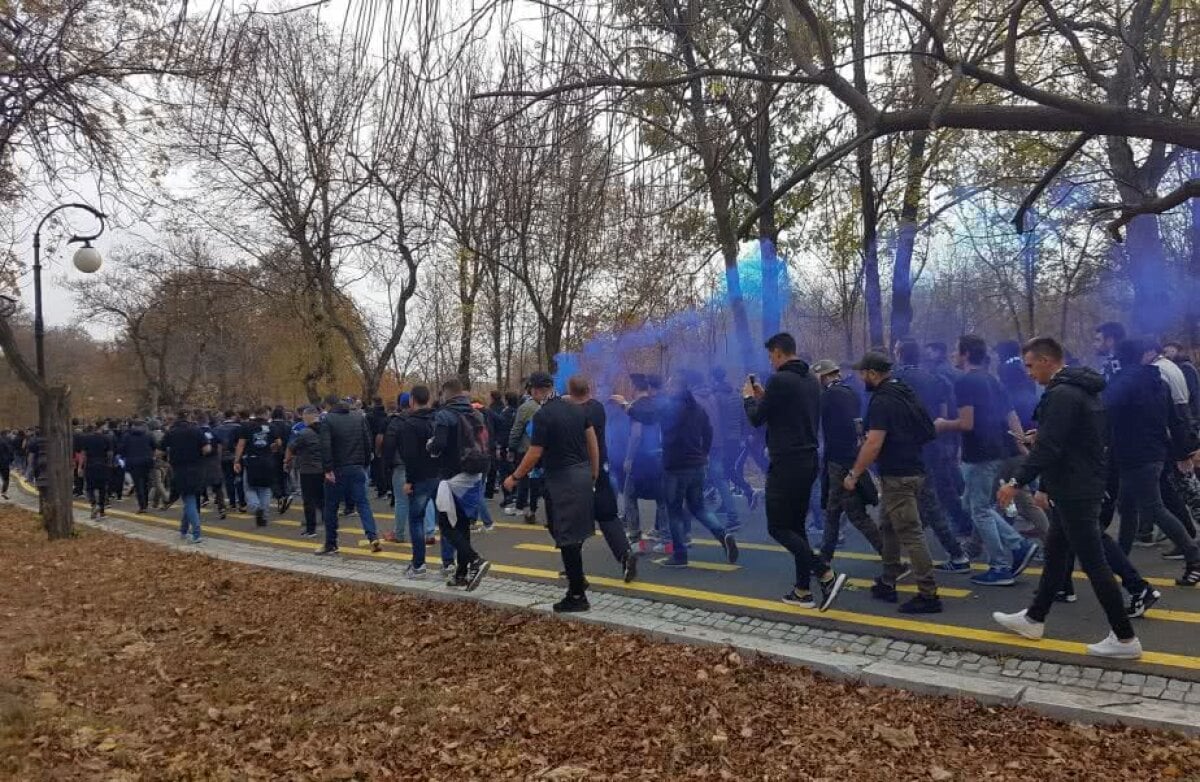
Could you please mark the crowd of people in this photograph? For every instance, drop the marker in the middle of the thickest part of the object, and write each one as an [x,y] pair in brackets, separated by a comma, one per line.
[1004,454]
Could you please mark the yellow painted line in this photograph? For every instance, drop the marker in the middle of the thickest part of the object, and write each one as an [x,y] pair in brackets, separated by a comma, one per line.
[1173,616]
[773,606]
[722,567]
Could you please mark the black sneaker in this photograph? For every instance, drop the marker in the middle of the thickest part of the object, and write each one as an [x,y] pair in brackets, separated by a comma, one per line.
[830,588]
[800,599]
[922,605]
[572,604]
[629,567]
[1063,596]
[221,514]
[284,504]
[326,551]
[476,571]
[731,549]
[1176,553]
[241,509]
[884,592]
[1139,604]
[260,519]
[307,534]
[456,580]
[1190,577]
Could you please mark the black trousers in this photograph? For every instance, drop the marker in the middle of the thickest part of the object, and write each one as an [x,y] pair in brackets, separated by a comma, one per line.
[141,483]
[1075,528]
[4,471]
[459,535]
[312,495]
[608,517]
[789,491]
[96,480]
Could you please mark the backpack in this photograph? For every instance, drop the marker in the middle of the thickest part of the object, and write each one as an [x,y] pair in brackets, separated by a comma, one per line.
[924,430]
[474,453]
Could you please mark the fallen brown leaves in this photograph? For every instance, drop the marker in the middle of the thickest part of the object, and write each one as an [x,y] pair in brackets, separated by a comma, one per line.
[122,661]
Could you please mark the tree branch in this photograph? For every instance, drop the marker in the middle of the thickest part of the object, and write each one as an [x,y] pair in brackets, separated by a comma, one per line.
[1071,151]
[648,84]
[1188,190]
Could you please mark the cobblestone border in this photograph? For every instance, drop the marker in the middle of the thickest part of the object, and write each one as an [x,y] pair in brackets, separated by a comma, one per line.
[1072,692]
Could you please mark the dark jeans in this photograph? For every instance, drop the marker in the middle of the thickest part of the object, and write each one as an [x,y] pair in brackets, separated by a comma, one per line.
[572,559]
[529,491]
[418,501]
[1141,497]
[1179,499]
[141,483]
[685,494]
[1075,527]
[789,489]
[948,485]
[235,489]
[350,484]
[1131,580]
[849,502]
[4,475]
[312,495]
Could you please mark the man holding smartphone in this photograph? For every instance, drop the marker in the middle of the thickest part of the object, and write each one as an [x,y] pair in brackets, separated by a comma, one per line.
[789,406]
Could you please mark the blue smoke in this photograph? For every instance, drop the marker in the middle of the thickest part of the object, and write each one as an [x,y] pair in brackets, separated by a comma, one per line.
[699,338]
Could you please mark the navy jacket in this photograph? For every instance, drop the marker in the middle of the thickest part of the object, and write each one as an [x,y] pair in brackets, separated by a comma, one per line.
[686,433]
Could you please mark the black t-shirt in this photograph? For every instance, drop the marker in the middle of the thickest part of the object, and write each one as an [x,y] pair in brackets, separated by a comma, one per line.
[97,446]
[560,428]
[597,417]
[256,453]
[986,441]
[839,408]
[901,452]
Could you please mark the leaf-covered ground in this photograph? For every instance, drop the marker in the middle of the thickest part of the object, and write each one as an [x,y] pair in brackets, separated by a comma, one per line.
[120,660]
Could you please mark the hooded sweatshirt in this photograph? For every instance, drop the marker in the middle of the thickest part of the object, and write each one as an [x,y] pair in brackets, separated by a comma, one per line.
[1139,407]
[1071,451]
[446,446]
[687,433]
[791,409]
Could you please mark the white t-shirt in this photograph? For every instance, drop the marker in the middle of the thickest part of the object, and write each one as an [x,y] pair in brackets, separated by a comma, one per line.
[1174,378]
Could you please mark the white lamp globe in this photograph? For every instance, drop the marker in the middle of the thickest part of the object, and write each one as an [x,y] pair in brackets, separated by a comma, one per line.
[87,259]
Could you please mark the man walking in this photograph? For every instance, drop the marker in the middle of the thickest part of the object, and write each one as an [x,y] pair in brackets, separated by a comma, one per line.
[529,489]
[460,445]
[186,448]
[254,460]
[96,448]
[346,449]
[897,428]
[985,416]
[137,449]
[1069,454]
[687,438]
[789,407]
[606,512]
[839,429]
[565,444]
[421,476]
[304,455]
[393,468]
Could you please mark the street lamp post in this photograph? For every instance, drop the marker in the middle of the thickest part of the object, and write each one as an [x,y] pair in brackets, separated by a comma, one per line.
[87,259]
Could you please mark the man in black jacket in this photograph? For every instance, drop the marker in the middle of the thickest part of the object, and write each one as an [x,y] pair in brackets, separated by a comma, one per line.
[1070,451]
[840,418]
[789,406]
[1146,429]
[137,449]
[459,434]
[415,430]
[346,449]
[687,437]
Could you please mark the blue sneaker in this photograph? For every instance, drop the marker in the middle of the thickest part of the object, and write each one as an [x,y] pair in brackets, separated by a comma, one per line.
[950,566]
[1022,556]
[996,576]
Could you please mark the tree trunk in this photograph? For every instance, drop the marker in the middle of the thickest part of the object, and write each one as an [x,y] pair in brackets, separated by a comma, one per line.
[1192,327]
[1147,269]
[464,343]
[865,155]
[902,312]
[764,184]
[58,516]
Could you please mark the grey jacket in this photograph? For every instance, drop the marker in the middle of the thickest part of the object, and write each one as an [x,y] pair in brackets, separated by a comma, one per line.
[305,448]
[518,440]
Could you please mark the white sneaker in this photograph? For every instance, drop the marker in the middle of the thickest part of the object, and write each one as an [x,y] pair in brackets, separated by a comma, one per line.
[1020,624]
[1117,650]
[510,510]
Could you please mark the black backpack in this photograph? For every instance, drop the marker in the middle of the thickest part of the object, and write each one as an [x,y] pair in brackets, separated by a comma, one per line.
[474,454]
[923,431]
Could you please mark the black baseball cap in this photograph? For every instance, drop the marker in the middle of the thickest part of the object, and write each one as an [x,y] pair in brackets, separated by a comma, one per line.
[541,380]
[874,361]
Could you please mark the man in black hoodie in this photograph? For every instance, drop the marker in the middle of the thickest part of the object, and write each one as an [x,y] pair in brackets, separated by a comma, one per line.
[687,437]
[414,431]
[789,405]
[1069,454]
[460,447]
[1146,428]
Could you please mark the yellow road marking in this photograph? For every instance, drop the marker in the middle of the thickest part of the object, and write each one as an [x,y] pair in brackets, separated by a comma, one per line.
[722,567]
[773,606]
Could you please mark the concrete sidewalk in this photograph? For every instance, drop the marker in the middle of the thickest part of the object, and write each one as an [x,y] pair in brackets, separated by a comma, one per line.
[1070,692]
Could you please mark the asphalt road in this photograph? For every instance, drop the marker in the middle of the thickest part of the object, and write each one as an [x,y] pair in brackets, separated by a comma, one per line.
[1170,633]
